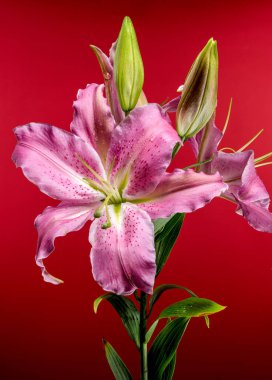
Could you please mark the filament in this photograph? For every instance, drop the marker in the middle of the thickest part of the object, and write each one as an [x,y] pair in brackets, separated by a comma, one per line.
[228,117]
[250,141]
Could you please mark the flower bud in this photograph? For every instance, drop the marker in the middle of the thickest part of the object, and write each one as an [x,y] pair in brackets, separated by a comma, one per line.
[199,94]
[128,67]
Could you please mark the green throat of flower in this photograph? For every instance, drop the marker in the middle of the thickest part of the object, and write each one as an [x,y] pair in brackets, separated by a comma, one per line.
[112,192]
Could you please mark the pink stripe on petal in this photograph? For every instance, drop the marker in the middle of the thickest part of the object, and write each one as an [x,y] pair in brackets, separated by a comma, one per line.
[49,158]
[123,256]
[93,121]
[141,148]
[55,222]
[182,191]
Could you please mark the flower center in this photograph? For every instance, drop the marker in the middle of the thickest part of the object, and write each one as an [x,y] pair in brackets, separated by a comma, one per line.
[111,192]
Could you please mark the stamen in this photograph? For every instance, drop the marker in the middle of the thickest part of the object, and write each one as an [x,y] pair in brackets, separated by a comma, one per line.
[97,176]
[263,164]
[98,212]
[227,148]
[250,141]
[110,169]
[227,119]
[198,164]
[262,158]
[94,185]
[108,223]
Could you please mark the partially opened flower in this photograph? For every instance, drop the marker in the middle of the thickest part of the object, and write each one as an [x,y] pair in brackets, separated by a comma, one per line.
[115,174]
[238,170]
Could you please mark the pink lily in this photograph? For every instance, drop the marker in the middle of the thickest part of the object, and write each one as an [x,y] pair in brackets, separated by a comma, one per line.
[115,174]
[245,187]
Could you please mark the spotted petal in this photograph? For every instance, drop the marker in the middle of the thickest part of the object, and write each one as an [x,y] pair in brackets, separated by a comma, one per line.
[123,256]
[93,121]
[55,222]
[182,191]
[49,157]
[141,150]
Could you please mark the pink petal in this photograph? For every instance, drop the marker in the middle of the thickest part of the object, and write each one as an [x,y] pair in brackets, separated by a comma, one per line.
[106,65]
[172,105]
[141,149]
[55,222]
[238,170]
[93,121]
[257,216]
[182,191]
[48,158]
[205,144]
[123,256]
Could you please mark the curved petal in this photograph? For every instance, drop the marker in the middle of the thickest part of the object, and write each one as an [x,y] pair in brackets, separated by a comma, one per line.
[106,65]
[123,256]
[93,121]
[238,170]
[205,143]
[257,216]
[55,222]
[182,191]
[141,150]
[49,158]
[172,105]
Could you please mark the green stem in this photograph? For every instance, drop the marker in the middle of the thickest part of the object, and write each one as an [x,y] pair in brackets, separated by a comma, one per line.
[143,344]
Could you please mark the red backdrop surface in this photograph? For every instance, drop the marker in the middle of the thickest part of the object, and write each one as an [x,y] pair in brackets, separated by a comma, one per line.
[51,331]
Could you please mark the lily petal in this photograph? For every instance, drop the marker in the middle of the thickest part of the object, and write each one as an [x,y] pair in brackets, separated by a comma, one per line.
[172,105]
[93,121]
[55,222]
[205,143]
[106,65]
[123,256]
[182,191]
[48,158]
[257,216]
[141,150]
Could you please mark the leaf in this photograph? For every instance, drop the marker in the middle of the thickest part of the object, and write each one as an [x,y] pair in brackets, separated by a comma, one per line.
[191,307]
[116,364]
[170,369]
[164,347]
[162,288]
[151,331]
[166,233]
[127,312]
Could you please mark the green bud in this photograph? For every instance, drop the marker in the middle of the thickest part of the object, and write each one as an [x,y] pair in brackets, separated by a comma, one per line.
[199,94]
[128,67]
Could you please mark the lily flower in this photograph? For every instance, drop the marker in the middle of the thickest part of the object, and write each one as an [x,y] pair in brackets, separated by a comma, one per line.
[115,175]
[238,169]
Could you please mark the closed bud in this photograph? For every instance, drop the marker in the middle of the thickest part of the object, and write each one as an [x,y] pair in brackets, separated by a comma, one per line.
[199,94]
[128,67]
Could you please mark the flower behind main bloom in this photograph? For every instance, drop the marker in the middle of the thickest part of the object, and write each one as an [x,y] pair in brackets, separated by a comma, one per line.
[115,174]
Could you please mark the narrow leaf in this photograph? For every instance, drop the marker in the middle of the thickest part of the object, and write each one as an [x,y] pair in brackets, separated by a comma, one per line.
[151,331]
[162,288]
[116,364]
[170,369]
[191,307]
[166,233]
[164,347]
[127,312]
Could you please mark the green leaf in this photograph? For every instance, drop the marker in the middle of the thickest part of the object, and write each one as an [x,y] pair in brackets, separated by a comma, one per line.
[151,331]
[116,364]
[164,347]
[128,67]
[127,312]
[191,307]
[170,369]
[166,233]
[199,94]
[162,288]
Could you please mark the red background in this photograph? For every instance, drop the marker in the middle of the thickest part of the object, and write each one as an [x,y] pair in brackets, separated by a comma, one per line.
[52,332]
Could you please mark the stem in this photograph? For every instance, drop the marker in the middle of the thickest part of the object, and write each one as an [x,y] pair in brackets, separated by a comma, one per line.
[143,344]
